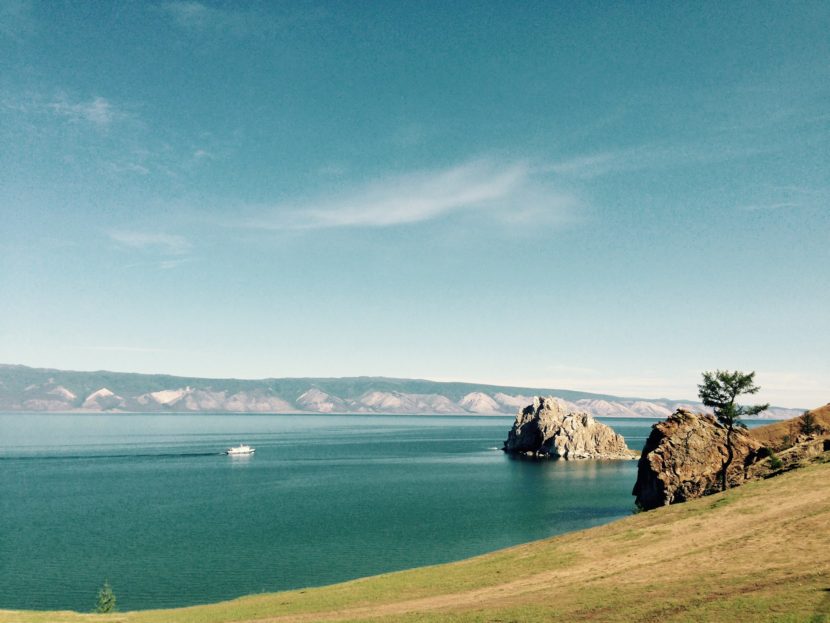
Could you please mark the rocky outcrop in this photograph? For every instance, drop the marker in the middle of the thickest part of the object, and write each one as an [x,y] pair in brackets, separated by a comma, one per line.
[546,429]
[683,457]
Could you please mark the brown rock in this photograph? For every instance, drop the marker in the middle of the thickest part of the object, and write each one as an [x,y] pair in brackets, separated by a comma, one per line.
[683,457]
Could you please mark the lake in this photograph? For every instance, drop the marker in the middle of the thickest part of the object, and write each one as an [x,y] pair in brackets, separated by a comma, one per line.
[148,501]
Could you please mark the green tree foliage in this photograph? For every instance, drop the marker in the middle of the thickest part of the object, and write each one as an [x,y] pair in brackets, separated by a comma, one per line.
[808,424]
[106,599]
[719,390]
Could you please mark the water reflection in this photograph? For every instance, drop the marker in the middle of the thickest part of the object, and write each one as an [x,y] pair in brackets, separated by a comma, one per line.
[240,460]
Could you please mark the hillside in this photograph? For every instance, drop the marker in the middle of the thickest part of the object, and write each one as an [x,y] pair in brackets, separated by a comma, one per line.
[776,435]
[756,553]
[41,389]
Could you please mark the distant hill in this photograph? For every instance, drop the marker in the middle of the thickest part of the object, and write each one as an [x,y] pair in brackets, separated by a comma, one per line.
[42,389]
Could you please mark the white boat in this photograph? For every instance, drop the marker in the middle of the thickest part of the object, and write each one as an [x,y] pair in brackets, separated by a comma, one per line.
[240,449]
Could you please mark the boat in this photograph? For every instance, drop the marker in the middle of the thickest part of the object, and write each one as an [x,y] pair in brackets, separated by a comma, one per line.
[240,450]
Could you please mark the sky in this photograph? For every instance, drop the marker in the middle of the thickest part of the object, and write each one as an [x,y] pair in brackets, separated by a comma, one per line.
[602,196]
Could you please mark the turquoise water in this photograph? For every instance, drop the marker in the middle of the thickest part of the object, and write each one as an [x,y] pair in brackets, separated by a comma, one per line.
[148,502]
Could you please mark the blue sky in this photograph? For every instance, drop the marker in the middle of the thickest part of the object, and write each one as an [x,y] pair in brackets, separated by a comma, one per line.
[611,197]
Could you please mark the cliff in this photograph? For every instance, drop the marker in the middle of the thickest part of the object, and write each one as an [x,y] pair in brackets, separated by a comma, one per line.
[546,429]
[683,456]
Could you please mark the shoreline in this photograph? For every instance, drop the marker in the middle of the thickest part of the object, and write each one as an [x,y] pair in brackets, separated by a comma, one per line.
[708,559]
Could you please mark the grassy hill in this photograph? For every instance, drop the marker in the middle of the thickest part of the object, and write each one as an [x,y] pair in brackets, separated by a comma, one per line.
[778,435]
[755,553]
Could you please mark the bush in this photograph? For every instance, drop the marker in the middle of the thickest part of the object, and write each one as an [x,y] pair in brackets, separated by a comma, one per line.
[106,599]
[808,424]
[774,461]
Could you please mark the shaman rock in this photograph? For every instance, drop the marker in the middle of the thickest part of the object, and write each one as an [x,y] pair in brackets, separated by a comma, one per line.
[545,429]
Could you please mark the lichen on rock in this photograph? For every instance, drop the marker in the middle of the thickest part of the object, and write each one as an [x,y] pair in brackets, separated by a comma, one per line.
[545,429]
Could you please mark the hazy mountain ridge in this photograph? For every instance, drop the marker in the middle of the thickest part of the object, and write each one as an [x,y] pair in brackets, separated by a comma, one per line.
[40,389]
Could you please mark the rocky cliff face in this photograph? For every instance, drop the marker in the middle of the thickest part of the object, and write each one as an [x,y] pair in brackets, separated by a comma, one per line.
[683,457]
[545,428]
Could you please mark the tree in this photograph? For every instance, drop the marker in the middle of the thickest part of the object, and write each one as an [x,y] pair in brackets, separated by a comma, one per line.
[106,598]
[719,391]
[808,424]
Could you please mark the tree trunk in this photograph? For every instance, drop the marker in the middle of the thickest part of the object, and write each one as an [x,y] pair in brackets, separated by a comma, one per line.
[729,456]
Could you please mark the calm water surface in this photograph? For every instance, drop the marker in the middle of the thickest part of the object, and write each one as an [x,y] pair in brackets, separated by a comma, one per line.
[148,502]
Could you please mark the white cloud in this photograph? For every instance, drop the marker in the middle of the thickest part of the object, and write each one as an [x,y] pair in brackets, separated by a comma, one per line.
[509,190]
[129,167]
[170,244]
[98,111]
[198,17]
[786,197]
[590,165]
[649,157]
[191,14]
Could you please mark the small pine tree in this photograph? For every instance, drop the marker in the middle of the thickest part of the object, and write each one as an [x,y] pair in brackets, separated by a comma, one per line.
[106,598]
[808,424]
[719,391]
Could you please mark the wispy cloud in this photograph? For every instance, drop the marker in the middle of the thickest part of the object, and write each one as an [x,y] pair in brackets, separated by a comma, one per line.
[98,111]
[592,165]
[101,137]
[129,167]
[170,244]
[648,157]
[334,169]
[198,17]
[786,197]
[509,190]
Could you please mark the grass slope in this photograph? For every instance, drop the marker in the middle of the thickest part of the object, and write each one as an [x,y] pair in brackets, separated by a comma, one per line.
[774,435]
[755,553]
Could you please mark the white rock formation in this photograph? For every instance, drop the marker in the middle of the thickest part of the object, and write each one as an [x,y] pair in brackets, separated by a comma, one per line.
[545,428]
[479,402]
[102,400]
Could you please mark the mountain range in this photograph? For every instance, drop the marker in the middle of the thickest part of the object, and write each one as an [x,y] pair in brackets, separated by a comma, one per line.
[41,389]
